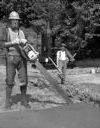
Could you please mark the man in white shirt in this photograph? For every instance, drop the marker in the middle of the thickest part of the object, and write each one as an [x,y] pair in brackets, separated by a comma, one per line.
[63,57]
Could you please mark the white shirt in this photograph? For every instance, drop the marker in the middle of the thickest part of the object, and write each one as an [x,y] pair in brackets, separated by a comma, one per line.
[13,36]
[61,55]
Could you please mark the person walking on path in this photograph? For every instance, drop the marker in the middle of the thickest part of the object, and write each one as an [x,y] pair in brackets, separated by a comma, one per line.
[62,59]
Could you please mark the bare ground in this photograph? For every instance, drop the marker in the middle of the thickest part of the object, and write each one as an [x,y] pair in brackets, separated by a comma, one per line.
[81,85]
[39,93]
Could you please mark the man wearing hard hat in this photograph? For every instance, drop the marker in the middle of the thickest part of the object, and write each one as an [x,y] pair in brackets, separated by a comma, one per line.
[12,36]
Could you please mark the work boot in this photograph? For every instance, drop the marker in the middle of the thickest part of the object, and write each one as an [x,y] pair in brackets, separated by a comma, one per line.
[23,97]
[8,98]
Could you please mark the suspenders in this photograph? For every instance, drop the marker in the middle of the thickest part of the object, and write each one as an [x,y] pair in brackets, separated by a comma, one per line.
[60,54]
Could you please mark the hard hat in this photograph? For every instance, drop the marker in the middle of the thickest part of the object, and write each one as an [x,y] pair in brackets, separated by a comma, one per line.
[14,16]
[63,45]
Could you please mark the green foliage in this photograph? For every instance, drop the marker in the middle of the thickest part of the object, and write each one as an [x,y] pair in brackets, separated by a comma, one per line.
[37,13]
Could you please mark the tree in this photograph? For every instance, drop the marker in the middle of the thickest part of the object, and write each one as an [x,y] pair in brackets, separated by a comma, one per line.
[36,13]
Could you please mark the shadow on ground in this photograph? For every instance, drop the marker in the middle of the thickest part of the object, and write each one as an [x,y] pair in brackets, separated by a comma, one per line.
[17,98]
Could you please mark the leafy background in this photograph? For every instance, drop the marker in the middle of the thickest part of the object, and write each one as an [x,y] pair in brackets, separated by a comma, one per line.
[49,13]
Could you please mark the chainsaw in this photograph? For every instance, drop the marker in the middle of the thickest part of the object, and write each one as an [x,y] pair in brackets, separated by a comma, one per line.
[28,52]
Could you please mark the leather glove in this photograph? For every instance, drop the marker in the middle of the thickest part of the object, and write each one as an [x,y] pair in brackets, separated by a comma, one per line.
[16,41]
[23,41]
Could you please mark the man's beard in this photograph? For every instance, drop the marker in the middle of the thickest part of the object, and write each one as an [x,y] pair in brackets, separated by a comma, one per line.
[15,26]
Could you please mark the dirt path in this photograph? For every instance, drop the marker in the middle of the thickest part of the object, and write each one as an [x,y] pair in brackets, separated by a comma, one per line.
[82,84]
[47,109]
[40,94]
[74,116]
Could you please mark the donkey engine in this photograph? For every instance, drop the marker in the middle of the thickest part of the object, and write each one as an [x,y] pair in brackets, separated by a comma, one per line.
[28,52]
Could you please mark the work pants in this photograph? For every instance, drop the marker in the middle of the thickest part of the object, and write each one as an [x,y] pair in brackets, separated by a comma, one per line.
[14,63]
[62,64]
